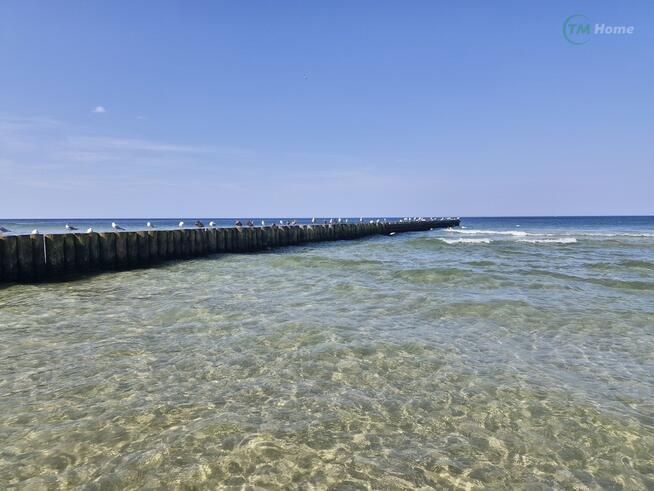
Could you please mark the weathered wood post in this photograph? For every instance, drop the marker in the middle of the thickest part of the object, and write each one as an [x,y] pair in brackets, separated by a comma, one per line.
[38,246]
[220,240]
[69,253]
[133,249]
[82,252]
[54,244]
[25,254]
[143,241]
[94,250]
[178,246]
[185,241]
[107,250]
[9,258]
[162,243]
[212,239]
[171,251]
[153,246]
[122,255]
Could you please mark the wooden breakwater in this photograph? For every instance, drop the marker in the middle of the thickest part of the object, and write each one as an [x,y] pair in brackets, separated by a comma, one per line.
[37,257]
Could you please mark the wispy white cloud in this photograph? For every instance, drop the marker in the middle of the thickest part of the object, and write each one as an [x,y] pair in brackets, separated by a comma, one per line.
[99,110]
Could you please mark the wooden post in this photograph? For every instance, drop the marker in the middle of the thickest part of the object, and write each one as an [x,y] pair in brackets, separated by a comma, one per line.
[94,251]
[144,248]
[133,249]
[122,257]
[212,238]
[82,252]
[185,241]
[38,242]
[9,258]
[171,251]
[162,243]
[54,244]
[107,250]
[25,254]
[153,246]
[69,253]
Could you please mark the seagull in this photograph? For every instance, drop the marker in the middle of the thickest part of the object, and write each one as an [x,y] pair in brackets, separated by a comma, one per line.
[391,234]
[181,224]
[360,219]
[35,231]
[70,227]
[2,229]
[116,227]
[331,221]
[347,220]
[89,230]
[263,223]
[212,224]
[199,224]
[339,220]
[313,220]
[149,225]
[238,223]
[281,222]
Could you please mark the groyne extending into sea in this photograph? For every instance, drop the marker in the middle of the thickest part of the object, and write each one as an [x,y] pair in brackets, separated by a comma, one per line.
[39,257]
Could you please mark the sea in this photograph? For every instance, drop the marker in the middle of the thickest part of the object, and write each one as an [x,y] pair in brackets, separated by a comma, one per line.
[507,353]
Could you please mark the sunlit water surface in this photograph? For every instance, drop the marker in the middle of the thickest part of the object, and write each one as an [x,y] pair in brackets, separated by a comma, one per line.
[446,359]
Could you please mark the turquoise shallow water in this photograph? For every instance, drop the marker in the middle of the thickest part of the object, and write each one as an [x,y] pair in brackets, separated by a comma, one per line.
[509,353]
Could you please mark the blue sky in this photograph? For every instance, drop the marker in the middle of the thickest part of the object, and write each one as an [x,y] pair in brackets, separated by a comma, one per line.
[284,108]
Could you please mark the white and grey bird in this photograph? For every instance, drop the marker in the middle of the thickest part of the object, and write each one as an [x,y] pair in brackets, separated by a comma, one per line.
[89,230]
[70,227]
[281,222]
[339,220]
[263,223]
[149,225]
[181,224]
[360,219]
[212,224]
[115,226]
[313,220]
[35,231]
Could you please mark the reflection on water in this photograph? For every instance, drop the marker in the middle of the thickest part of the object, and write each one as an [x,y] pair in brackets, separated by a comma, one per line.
[390,363]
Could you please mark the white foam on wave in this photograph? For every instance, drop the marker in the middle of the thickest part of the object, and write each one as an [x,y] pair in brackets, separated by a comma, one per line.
[615,234]
[564,240]
[513,233]
[466,241]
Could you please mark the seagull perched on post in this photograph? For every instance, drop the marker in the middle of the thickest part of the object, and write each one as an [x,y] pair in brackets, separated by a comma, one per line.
[199,224]
[116,226]
[181,224]
[89,230]
[313,220]
[35,231]
[70,227]
[212,224]
[149,225]
[263,223]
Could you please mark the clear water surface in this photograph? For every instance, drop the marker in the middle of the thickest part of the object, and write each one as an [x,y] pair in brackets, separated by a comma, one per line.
[507,353]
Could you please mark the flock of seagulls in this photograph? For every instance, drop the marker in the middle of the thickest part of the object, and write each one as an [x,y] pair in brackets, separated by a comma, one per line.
[149,225]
